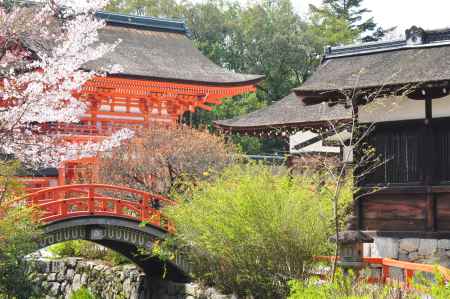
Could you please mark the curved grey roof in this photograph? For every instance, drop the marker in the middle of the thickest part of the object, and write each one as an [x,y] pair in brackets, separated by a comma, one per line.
[287,112]
[422,57]
[159,48]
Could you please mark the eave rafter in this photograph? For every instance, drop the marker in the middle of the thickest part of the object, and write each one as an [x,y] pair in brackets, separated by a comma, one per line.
[133,87]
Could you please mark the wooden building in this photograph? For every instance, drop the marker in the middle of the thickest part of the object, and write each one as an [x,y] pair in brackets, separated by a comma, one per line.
[162,76]
[402,88]
[414,196]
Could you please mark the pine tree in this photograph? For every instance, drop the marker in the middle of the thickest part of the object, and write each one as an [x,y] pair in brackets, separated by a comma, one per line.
[353,13]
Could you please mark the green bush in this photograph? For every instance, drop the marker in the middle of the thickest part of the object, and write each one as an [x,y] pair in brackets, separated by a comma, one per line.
[343,287]
[19,233]
[89,250]
[437,288]
[350,287]
[251,231]
[82,293]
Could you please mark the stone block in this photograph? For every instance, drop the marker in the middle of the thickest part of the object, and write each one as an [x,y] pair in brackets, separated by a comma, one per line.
[60,276]
[84,279]
[385,247]
[409,244]
[51,277]
[76,283]
[54,289]
[427,247]
[413,256]
[190,289]
[72,261]
[70,274]
[444,244]
[403,256]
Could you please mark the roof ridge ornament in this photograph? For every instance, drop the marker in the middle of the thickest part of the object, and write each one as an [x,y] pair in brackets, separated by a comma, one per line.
[143,22]
[415,36]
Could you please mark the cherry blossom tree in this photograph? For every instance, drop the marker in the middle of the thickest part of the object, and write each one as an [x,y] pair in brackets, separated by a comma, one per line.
[43,47]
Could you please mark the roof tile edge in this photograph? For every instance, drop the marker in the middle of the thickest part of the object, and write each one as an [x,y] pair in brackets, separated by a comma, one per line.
[143,22]
[416,37]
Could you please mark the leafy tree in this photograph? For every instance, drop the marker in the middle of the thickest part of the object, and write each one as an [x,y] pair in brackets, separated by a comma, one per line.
[352,12]
[18,237]
[327,29]
[264,37]
[250,231]
[160,8]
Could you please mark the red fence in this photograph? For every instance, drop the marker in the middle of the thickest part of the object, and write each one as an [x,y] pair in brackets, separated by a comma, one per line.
[69,201]
[385,264]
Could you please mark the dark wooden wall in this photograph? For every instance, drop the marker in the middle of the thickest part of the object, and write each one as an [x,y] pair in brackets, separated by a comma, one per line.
[415,180]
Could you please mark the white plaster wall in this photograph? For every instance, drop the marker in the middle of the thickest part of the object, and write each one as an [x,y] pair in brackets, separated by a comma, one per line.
[317,147]
[392,109]
[401,108]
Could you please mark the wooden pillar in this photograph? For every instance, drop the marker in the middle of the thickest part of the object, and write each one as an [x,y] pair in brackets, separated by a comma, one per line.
[357,198]
[62,174]
[430,162]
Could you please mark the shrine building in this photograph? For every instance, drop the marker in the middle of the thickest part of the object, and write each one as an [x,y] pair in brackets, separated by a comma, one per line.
[162,77]
[404,203]
[401,88]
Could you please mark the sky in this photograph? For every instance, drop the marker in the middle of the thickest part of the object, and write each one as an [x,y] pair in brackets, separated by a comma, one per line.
[428,14]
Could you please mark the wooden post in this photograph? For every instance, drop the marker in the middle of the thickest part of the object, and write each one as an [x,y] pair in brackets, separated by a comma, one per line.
[430,160]
[62,174]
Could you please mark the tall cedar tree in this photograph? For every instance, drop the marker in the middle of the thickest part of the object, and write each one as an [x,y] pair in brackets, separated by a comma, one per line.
[353,13]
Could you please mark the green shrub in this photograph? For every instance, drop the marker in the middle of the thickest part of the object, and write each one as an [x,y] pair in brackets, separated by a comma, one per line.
[437,288]
[82,293]
[349,287]
[89,250]
[250,231]
[19,233]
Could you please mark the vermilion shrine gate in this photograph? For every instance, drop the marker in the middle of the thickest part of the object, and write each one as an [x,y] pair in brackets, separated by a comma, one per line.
[163,76]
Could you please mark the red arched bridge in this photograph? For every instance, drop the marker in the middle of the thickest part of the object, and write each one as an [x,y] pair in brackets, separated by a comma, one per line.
[69,201]
[121,218]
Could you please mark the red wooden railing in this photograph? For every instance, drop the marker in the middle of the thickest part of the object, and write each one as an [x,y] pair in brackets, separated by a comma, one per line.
[384,264]
[69,201]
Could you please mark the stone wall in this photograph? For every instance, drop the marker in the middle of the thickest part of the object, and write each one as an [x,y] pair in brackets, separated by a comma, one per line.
[59,278]
[430,251]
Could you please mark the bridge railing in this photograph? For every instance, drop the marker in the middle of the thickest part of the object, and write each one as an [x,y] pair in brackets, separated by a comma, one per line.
[384,265]
[78,200]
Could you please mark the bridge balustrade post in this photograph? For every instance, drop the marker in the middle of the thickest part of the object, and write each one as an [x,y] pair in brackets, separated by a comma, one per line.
[409,275]
[34,201]
[91,203]
[145,204]
[63,208]
[385,273]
